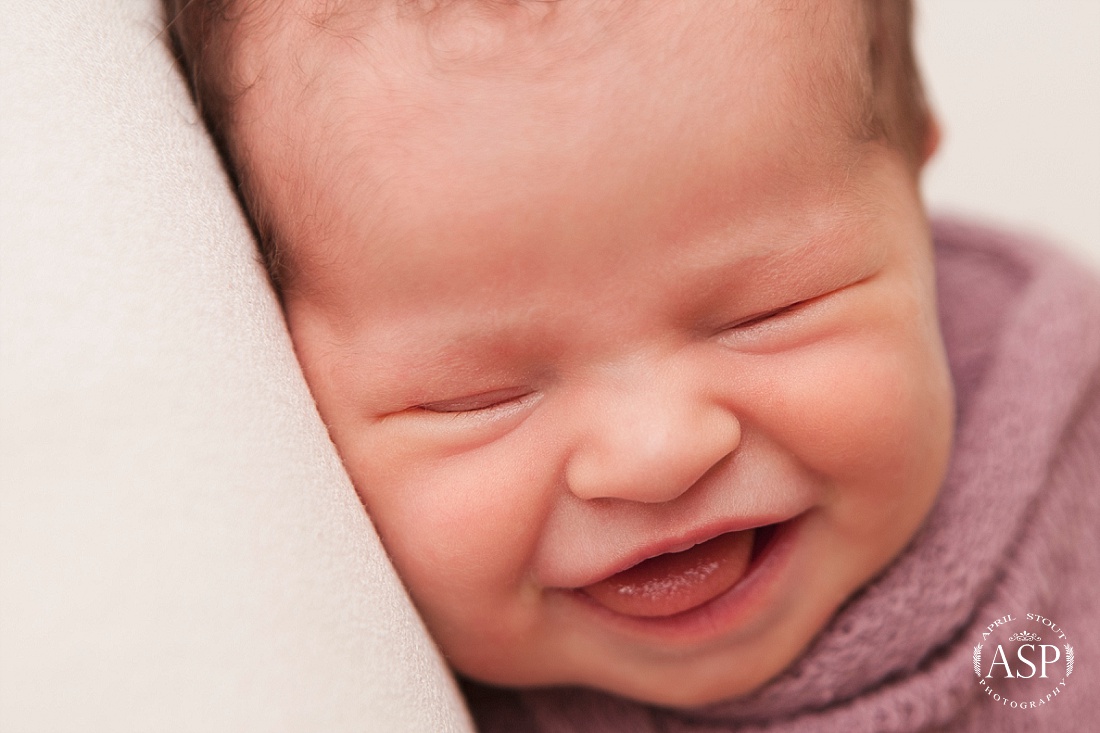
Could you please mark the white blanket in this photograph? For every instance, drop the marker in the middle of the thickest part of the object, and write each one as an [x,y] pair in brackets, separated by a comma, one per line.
[180,548]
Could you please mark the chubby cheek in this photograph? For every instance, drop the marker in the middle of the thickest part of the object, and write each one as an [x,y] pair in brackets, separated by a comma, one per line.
[459,526]
[872,414]
[460,530]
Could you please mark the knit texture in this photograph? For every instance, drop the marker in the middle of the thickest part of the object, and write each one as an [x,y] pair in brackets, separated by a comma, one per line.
[1014,530]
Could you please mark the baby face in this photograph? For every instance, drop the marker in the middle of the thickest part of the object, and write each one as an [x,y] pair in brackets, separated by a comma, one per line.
[627,338]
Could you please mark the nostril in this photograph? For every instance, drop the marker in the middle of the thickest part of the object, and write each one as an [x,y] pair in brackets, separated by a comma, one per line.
[652,462]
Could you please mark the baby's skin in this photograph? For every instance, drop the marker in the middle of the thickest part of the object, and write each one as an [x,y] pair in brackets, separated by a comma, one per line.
[625,330]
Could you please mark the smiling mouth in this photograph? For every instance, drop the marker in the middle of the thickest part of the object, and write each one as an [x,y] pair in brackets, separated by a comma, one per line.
[676,582]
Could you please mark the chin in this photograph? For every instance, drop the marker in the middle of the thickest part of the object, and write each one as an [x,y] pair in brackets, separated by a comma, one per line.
[701,684]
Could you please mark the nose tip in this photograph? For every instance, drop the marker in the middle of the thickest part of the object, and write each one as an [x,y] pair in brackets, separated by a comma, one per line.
[652,453]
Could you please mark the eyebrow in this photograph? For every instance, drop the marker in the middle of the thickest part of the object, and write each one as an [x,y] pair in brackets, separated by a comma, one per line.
[771,263]
[478,353]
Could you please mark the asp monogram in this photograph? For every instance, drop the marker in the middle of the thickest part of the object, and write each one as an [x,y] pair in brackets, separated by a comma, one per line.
[1023,662]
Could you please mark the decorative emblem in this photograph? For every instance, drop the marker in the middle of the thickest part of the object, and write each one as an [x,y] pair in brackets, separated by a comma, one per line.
[1020,669]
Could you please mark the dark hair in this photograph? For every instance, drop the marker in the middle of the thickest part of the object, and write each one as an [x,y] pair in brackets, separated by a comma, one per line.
[200,32]
[202,36]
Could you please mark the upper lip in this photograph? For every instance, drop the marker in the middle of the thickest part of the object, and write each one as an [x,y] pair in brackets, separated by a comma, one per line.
[679,543]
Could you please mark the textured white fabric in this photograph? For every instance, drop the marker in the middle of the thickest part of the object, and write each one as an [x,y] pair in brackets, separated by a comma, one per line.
[180,549]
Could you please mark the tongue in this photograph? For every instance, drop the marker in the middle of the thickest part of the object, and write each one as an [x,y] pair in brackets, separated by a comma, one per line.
[676,581]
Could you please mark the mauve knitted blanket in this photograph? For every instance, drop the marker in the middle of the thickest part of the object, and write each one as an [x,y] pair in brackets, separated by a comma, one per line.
[1014,531]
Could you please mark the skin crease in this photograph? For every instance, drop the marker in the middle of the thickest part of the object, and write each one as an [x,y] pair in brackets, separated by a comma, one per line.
[562,293]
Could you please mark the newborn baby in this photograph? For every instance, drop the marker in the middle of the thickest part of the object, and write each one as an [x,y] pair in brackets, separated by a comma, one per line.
[621,315]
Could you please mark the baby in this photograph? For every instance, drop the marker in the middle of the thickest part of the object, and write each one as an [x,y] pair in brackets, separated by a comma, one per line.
[622,316]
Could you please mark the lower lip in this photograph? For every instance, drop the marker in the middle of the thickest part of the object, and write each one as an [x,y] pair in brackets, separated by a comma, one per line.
[736,607]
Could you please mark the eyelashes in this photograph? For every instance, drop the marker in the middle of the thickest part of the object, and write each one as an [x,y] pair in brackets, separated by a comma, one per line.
[779,329]
[484,402]
[761,319]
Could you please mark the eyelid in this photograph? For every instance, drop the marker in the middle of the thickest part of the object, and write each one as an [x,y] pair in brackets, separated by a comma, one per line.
[479,402]
[766,315]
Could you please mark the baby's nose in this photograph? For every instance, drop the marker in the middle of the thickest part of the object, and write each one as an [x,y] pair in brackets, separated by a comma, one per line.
[650,445]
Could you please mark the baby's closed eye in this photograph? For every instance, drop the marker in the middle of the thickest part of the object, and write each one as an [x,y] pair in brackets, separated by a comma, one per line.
[481,402]
[796,323]
[759,318]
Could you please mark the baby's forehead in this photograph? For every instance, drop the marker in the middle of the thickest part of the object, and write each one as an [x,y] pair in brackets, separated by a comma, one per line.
[429,81]
[407,58]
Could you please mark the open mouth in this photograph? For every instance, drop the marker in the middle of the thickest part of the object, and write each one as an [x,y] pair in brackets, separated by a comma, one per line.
[677,582]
